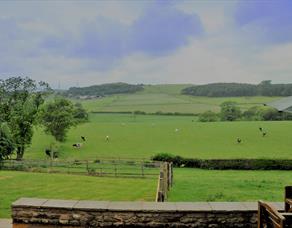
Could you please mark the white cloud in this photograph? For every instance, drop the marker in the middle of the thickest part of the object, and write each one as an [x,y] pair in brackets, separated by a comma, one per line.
[217,59]
[277,62]
[222,54]
[209,60]
[215,16]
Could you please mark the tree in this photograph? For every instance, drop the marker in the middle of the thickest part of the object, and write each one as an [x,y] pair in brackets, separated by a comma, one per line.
[208,116]
[20,99]
[253,113]
[58,116]
[269,114]
[80,113]
[229,111]
[6,142]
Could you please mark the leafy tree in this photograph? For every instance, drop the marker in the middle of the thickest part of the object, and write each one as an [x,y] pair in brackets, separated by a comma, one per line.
[269,114]
[208,116]
[104,89]
[19,103]
[253,113]
[80,113]
[6,142]
[58,116]
[229,111]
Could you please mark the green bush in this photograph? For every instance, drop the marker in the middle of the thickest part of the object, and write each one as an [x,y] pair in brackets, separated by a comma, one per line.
[253,113]
[225,164]
[163,157]
[208,116]
[230,111]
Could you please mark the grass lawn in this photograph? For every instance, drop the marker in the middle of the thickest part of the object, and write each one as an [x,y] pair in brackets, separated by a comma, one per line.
[213,185]
[56,186]
[143,136]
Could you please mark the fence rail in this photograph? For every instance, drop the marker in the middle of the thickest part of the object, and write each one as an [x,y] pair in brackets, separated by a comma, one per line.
[112,168]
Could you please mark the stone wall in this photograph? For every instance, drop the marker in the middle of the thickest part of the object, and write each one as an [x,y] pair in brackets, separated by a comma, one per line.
[43,213]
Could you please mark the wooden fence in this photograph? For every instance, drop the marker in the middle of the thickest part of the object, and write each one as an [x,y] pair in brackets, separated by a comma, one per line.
[165,181]
[108,168]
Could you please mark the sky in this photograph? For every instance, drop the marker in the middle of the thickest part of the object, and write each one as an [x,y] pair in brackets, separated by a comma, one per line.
[80,43]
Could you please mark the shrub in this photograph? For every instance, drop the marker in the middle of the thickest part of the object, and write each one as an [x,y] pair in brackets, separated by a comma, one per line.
[163,157]
[253,113]
[208,116]
[225,164]
[230,111]
[137,112]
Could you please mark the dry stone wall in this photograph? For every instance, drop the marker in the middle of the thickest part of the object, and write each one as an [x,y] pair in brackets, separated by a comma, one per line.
[43,213]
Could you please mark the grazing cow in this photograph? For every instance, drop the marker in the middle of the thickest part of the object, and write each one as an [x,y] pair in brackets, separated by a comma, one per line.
[83,138]
[77,145]
[48,153]
[107,138]
[176,130]
[264,134]
[239,140]
[260,128]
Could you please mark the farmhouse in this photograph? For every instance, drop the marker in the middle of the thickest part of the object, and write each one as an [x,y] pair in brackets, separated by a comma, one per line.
[282,105]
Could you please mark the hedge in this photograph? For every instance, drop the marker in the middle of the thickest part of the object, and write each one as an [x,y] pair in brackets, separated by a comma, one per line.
[225,164]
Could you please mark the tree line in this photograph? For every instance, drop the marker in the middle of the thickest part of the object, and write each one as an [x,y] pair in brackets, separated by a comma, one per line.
[230,111]
[24,104]
[103,90]
[265,88]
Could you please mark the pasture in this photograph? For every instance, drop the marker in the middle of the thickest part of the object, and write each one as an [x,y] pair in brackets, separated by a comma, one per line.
[228,185]
[139,137]
[142,136]
[166,98]
[59,186]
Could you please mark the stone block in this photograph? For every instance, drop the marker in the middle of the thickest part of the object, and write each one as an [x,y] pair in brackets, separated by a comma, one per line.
[29,202]
[148,206]
[66,204]
[125,206]
[91,205]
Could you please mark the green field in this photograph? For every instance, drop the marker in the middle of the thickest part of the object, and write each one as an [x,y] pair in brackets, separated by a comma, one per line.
[143,136]
[57,186]
[166,98]
[229,185]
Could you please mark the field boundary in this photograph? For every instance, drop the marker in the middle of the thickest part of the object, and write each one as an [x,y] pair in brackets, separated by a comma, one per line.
[138,112]
[226,164]
[98,168]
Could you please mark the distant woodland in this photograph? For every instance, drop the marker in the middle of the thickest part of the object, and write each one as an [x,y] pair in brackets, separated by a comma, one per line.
[103,90]
[265,88]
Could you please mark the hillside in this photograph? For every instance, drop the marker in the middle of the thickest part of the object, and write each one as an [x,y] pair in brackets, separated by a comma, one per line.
[166,98]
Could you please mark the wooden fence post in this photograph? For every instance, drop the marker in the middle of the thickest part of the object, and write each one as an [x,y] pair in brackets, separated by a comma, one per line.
[170,174]
[142,169]
[159,190]
[165,187]
[161,187]
[165,181]
[115,170]
[87,167]
[167,175]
